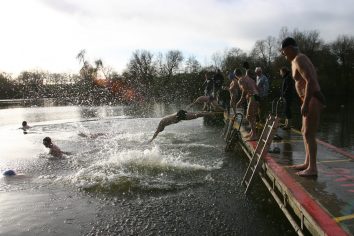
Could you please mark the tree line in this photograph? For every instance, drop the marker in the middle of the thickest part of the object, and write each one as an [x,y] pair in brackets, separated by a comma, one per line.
[170,77]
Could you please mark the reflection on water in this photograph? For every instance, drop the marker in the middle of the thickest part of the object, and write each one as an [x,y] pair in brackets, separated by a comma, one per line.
[116,183]
[337,127]
[184,183]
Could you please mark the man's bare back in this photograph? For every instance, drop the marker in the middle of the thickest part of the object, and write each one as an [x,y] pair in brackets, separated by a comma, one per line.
[248,86]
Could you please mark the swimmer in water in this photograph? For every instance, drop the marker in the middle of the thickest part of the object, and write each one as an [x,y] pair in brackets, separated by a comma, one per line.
[9,173]
[177,117]
[25,127]
[54,150]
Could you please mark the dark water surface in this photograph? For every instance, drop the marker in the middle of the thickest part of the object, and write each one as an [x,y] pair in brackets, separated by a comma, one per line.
[181,184]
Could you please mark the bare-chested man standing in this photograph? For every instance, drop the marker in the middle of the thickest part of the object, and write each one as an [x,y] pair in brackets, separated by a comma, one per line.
[234,90]
[308,89]
[249,91]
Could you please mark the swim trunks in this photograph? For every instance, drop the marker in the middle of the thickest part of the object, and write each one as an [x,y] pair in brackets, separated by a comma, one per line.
[181,115]
[318,95]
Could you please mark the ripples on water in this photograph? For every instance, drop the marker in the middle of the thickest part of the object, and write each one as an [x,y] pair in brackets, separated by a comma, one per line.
[182,183]
[117,159]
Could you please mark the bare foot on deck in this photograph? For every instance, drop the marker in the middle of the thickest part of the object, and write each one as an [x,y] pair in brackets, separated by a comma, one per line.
[299,167]
[307,173]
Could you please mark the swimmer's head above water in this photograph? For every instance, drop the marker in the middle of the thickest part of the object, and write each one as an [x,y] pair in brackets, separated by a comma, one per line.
[47,142]
[9,173]
[24,123]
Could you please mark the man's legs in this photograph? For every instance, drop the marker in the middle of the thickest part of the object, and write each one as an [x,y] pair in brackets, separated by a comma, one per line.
[216,106]
[310,126]
[306,162]
[201,99]
[195,115]
[233,104]
[252,111]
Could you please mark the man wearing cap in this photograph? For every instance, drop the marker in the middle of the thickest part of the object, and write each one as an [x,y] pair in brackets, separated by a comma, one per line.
[313,101]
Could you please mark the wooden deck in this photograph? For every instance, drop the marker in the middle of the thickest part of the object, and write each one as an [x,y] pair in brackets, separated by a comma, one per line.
[322,205]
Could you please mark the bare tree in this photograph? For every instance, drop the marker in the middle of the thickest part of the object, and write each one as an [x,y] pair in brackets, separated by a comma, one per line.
[233,58]
[81,56]
[142,69]
[174,59]
[167,65]
[343,49]
[192,65]
[265,52]
[309,42]
[218,59]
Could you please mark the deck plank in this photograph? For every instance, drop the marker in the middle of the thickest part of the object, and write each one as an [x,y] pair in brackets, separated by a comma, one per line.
[328,200]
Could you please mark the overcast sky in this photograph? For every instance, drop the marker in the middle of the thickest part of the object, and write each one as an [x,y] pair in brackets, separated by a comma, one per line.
[48,34]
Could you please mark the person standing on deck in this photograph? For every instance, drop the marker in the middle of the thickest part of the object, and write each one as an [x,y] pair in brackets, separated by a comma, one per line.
[208,89]
[248,71]
[208,85]
[263,87]
[234,90]
[218,80]
[287,93]
[250,92]
[313,101]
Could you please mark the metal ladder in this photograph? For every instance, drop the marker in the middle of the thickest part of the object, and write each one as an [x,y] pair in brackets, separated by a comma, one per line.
[263,145]
[233,135]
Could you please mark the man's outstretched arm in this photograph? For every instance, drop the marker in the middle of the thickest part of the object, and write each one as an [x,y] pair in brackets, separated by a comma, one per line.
[155,135]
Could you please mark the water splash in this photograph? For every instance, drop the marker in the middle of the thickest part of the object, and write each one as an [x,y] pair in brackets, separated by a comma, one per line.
[146,169]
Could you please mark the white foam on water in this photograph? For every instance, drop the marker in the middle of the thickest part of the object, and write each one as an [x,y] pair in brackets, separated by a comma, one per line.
[132,167]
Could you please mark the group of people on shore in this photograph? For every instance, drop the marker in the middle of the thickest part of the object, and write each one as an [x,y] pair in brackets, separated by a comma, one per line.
[303,78]
[251,92]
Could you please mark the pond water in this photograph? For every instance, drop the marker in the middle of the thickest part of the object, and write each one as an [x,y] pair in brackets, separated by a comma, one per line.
[115,184]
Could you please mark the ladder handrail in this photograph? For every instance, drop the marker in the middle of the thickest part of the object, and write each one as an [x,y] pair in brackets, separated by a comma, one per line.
[231,133]
[259,144]
[275,104]
[262,147]
[241,115]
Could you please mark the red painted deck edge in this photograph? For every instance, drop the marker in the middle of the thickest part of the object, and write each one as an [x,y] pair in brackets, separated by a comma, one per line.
[336,149]
[324,220]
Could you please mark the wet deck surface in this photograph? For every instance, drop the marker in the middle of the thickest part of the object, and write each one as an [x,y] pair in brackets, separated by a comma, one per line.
[332,189]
